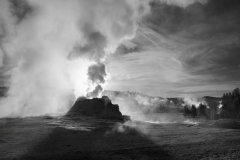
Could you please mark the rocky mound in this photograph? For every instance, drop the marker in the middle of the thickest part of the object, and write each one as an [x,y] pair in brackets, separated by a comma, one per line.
[99,107]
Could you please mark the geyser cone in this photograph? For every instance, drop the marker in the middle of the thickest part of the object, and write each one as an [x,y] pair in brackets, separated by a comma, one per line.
[98,107]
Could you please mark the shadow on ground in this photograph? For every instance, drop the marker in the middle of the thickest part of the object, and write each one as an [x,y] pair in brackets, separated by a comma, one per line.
[66,144]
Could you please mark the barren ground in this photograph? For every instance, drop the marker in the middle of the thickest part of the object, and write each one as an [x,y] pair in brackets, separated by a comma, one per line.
[89,138]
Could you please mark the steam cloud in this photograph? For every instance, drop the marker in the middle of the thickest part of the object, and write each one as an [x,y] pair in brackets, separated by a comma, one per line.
[51,48]
[189,101]
[144,108]
[97,74]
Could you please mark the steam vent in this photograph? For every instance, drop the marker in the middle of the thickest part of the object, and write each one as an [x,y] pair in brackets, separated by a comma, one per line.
[99,107]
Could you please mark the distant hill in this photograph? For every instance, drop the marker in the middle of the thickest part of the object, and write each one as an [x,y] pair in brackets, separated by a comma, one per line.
[210,100]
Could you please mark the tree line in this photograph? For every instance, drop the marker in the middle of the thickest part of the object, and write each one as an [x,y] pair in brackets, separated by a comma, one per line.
[231,104]
[228,107]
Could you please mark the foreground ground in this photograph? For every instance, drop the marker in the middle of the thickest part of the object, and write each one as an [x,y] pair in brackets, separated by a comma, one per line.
[89,138]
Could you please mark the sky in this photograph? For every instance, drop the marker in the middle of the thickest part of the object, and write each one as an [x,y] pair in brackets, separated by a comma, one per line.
[189,47]
[167,48]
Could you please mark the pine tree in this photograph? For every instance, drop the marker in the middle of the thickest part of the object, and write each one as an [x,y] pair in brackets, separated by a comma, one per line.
[194,111]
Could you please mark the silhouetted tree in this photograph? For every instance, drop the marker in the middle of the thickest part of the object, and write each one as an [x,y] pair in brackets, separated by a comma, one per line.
[202,110]
[231,104]
[194,111]
[186,112]
[213,110]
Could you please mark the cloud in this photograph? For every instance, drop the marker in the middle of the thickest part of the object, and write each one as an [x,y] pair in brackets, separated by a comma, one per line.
[193,48]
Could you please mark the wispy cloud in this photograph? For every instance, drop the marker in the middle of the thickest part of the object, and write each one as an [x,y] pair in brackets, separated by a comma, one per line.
[183,50]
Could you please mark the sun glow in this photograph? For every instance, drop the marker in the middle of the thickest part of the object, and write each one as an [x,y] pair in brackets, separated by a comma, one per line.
[77,70]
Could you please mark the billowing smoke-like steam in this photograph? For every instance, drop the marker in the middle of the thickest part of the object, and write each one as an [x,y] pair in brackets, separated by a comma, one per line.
[145,108]
[97,74]
[93,49]
[52,48]
[189,101]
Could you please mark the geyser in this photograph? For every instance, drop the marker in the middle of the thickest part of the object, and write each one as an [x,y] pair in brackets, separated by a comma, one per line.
[50,49]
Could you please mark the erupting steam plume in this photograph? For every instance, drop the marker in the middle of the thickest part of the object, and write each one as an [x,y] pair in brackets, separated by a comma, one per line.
[50,48]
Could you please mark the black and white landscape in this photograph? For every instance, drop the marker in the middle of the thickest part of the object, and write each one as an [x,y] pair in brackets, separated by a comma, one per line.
[120,79]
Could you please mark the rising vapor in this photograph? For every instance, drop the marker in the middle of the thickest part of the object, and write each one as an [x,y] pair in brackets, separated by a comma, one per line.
[56,47]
